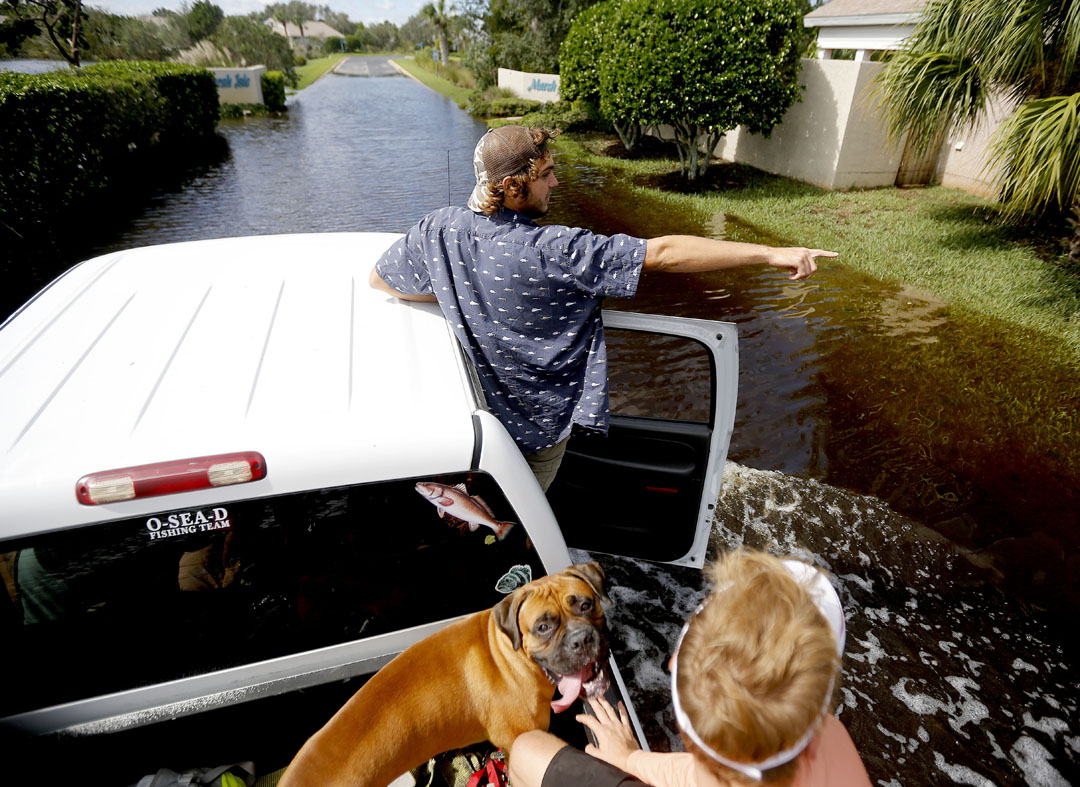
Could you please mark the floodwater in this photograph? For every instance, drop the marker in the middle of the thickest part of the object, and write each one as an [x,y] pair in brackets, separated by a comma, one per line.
[922,460]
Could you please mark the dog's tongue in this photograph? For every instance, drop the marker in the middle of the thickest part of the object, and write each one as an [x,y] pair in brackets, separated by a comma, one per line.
[569,688]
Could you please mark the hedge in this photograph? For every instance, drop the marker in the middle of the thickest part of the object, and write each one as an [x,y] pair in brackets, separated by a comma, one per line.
[69,135]
[479,105]
[273,89]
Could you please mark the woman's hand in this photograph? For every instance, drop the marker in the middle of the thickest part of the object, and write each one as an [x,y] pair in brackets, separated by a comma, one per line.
[612,730]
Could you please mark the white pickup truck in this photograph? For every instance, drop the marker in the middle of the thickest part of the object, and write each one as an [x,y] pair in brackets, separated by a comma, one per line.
[210,521]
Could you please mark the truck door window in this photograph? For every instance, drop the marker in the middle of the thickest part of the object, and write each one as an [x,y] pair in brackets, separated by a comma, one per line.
[658,376]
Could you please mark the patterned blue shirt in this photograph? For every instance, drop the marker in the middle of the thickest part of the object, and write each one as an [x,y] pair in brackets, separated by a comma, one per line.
[524,301]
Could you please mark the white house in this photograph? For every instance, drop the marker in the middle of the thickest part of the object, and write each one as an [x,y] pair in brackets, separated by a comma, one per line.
[863,25]
[881,25]
[315,30]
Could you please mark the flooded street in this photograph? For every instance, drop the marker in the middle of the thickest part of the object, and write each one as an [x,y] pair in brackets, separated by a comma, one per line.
[916,457]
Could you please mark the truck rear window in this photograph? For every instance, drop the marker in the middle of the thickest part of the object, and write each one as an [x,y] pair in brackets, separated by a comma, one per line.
[114,606]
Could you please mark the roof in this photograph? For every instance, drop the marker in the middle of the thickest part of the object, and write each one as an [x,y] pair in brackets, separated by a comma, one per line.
[313,28]
[273,344]
[864,12]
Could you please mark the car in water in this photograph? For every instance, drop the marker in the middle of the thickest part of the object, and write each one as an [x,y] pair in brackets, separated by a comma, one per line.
[216,480]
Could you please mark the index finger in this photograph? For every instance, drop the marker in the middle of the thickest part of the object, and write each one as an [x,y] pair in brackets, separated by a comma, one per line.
[823,253]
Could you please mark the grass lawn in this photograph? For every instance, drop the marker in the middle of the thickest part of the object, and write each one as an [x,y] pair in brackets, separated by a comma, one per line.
[314,69]
[939,240]
[459,94]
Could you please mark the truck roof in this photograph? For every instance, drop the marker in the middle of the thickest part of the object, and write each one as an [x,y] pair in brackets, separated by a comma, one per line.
[273,344]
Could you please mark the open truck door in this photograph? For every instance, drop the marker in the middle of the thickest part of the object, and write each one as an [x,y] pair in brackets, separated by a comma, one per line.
[649,488]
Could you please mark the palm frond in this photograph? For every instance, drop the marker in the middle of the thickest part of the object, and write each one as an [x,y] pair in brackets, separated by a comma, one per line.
[1067,40]
[922,94]
[1038,147]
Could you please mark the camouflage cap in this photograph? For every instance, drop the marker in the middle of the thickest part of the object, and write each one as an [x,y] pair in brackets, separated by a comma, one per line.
[503,151]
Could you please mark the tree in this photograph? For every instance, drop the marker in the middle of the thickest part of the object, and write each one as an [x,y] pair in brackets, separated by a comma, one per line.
[521,34]
[580,66]
[60,20]
[13,32]
[383,36]
[251,42]
[202,20]
[293,12]
[282,16]
[336,20]
[703,67]
[964,53]
[417,31]
[439,16]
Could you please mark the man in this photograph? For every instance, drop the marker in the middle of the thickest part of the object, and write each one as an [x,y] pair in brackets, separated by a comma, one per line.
[524,299]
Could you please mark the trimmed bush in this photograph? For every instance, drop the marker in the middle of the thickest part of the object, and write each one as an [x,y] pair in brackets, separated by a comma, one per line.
[273,90]
[578,115]
[68,135]
[703,67]
[493,103]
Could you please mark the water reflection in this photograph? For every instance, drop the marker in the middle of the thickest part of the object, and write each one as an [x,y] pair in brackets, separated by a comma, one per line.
[350,155]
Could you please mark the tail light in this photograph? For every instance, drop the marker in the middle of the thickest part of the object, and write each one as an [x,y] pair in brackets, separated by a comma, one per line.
[170,478]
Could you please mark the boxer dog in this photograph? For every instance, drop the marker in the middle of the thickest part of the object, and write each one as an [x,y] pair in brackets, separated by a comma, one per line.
[490,676]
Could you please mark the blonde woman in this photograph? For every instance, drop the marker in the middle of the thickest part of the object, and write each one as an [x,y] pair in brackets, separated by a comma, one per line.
[752,678]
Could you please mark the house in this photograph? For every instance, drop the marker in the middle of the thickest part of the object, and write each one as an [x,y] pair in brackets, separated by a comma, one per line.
[314,30]
[865,26]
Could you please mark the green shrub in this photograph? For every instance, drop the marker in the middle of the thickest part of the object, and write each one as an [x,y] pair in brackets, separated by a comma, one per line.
[273,89]
[237,111]
[499,103]
[703,67]
[299,60]
[69,135]
[578,115]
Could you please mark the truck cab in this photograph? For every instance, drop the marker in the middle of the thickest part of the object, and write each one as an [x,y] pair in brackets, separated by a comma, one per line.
[214,523]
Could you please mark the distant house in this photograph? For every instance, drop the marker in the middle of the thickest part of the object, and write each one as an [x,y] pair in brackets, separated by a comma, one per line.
[314,31]
[863,25]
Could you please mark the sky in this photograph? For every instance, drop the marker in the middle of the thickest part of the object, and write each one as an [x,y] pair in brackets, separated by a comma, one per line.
[366,11]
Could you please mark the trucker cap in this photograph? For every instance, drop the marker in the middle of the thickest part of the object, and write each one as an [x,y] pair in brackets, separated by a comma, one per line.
[503,151]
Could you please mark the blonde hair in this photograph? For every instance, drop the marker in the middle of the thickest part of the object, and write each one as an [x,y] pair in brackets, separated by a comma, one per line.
[755,665]
[518,188]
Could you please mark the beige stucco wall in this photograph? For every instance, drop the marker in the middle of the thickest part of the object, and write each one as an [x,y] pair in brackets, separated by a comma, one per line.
[962,164]
[833,138]
[538,87]
[239,85]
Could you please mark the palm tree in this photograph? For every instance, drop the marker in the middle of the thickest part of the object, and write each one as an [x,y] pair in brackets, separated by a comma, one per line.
[439,16]
[298,18]
[964,53]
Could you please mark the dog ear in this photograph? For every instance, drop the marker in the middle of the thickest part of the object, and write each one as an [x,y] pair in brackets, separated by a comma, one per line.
[505,615]
[593,576]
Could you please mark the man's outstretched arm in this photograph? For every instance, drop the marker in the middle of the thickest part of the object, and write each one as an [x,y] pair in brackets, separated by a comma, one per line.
[377,283]
[691,254]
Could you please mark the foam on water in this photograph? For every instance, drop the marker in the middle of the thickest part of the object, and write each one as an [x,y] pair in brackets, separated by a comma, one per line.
[942,675]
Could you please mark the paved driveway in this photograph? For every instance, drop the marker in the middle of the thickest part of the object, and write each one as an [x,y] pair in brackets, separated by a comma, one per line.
[366,66]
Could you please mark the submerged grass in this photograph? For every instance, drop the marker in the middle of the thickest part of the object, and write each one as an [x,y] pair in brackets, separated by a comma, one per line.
[939,240]
[460,95]
[314,69]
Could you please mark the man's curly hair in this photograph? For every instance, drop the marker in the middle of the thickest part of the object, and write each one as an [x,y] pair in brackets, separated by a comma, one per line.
[518,188]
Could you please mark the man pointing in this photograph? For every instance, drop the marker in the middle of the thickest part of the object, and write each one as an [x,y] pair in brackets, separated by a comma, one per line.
[524,299]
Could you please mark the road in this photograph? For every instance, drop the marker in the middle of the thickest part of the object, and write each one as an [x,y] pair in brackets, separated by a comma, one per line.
[366,66]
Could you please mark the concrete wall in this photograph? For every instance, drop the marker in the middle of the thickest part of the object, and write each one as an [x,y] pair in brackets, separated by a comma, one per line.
[962,164]
[239,85]
[538,87]
[832,138]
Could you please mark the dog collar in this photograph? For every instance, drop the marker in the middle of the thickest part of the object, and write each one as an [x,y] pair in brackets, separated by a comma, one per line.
[828,603]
